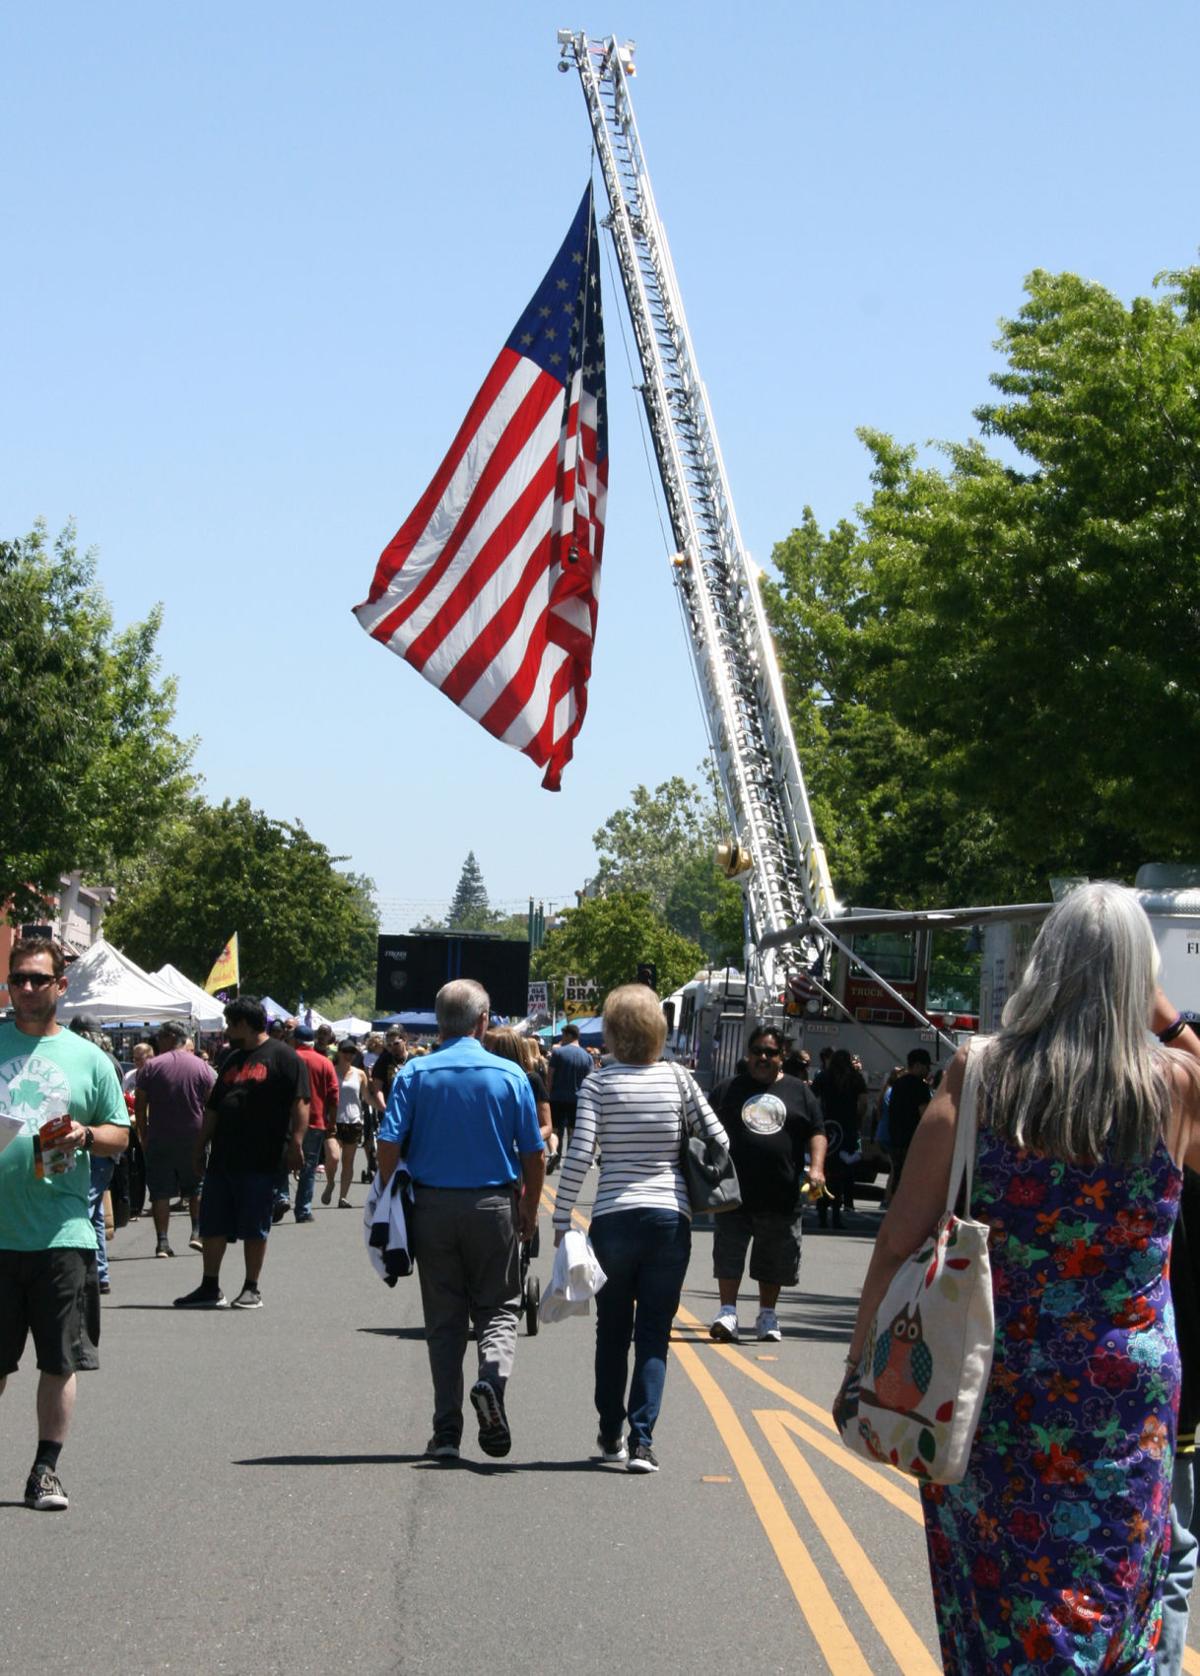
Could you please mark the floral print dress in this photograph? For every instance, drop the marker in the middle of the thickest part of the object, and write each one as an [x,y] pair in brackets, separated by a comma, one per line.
[1050,1555]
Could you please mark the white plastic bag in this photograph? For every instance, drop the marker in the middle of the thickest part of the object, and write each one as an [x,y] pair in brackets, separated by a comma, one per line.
[576,1279]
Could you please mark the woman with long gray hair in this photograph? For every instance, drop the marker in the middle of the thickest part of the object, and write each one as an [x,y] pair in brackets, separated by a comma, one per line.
[1051,1553]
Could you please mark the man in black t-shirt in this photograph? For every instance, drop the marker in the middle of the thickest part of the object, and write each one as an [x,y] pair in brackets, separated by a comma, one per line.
[771,1120]
[255,1120]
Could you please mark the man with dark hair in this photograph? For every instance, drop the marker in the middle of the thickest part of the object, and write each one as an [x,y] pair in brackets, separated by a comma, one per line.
[254,1123]
[772,1121]
[170,1094]
[466,1123]
[906,1104]
[569,1064]
[48,1283]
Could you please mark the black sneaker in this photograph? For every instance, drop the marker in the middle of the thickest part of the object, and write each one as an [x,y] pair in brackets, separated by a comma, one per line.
[495,1439]
[641,1459]
[203,1298]
[44,1491]
[248,1298]
[441,1449]
[611,1451]
[163,1248]
[279,1210]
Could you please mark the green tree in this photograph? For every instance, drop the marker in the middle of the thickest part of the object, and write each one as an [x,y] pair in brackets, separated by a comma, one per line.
[89,766]
[708,909]
[470,910]
[664,845]
[642,847]
[606,937]
[990,671]
[304,927]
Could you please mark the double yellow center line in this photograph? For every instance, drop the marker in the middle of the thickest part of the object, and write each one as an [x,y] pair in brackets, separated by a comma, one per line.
[783,1431]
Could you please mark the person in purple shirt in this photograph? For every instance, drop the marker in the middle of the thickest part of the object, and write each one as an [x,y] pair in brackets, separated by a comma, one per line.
[169,1099]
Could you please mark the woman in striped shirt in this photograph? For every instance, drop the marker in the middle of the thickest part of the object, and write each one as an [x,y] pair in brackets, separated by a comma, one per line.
[632,1111]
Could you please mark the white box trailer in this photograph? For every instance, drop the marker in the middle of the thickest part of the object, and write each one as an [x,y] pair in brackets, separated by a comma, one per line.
[1169,894]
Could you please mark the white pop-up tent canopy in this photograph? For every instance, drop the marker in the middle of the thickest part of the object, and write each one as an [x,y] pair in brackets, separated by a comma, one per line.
[107,986]
[351,1026]
[207,1012]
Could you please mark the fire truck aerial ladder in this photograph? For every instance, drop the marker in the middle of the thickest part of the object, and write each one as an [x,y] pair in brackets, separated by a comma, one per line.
[775,843]
[794,921]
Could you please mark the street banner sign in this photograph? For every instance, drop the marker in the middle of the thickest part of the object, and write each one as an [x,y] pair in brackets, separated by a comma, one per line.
[580,997]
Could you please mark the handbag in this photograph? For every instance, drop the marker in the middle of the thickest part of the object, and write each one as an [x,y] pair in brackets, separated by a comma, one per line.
[914,1399]
[706,1167]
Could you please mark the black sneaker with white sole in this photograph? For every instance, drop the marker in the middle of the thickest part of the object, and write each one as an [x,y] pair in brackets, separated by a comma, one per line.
[641,1459]
[611,1451]
[495,1439]
[441,1449]
[44,1492]
[204,1297]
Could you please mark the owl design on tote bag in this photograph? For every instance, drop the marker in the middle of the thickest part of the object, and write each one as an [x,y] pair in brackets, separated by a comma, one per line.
[903,1365]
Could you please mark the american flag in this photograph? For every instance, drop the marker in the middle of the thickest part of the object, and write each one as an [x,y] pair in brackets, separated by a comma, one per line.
[490,588]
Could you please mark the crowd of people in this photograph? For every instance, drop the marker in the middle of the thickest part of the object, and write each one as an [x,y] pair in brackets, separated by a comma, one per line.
[1069,1545]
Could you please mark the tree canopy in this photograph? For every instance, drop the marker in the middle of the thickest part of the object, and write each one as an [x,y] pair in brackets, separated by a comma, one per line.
[606,937]
[304,927]
[663,845]
[89,766]
[991,670]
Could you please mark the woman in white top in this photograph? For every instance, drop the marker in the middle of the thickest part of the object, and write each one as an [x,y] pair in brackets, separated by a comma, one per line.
[353,1095]
[632,1109]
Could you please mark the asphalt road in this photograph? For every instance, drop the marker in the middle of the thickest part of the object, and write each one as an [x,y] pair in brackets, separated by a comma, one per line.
[248,1495]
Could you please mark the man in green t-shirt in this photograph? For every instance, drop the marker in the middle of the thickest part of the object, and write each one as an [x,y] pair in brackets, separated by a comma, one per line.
[48,1283]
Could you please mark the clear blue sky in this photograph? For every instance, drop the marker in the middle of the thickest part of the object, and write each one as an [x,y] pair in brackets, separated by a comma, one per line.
[257,260]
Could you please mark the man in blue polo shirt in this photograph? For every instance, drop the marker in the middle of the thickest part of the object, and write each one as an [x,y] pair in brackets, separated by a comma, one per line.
[465,1122]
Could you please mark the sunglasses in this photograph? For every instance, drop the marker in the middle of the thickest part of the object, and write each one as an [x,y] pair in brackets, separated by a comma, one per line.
[30,980]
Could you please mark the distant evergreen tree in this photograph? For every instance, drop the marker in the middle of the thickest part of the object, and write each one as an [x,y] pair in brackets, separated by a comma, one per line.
[469,910]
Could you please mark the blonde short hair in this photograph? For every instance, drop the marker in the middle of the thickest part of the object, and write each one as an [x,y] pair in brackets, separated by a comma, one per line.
[635,1027]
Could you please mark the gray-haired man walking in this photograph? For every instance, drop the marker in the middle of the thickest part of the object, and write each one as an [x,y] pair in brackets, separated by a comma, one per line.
[466,1124]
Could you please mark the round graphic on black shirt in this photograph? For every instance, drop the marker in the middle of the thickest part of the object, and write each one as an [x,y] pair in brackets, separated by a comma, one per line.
[764,1114]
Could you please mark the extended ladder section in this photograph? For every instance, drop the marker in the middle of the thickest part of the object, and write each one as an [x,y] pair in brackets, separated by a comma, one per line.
[727,628]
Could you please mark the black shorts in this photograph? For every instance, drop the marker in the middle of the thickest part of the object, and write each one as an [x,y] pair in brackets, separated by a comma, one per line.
[171,1168]
[237,1205]
[562,1115]
[775,1257]
[55,1296]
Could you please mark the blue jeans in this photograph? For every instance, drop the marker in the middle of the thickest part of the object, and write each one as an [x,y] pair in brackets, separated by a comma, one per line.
[314,1143]
[102,1171]
[644,1254]
[1181,1567]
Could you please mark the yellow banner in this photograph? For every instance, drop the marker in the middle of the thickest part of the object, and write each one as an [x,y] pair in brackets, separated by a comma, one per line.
[579,997]
[224,974]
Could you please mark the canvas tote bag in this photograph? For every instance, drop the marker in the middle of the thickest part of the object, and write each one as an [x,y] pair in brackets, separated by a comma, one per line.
[915,1398]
